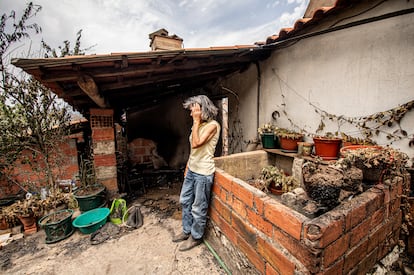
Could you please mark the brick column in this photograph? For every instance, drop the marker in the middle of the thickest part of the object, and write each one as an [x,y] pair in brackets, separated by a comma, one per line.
[103,142]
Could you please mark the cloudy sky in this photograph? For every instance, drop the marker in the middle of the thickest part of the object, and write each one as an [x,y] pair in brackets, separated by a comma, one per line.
[124,25]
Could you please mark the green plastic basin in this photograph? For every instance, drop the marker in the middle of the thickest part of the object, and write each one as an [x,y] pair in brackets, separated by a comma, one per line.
[91,220]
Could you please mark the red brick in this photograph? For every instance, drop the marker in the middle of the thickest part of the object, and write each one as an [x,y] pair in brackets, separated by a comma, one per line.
[228,231]
[147,143]
[225,196]
[245,231]
[375,198]
[334,269]
[270,270]
[385,247]
[223,179]
[400,186]
[139,151]
[367,263]
[275,257]
[103,134]
[396,220]
[110,184]
[284,218]
[242,193]
[336,250]
[377,217]
[70,172]
[360,232]
[310,258]
[239,207]
[104,160]
[258,204]
[258,222]
[355,255]
[377,236]
[214,216]
[325,229]
[394,206]
[393,192]
[215,190]
[222,210]
[101,112]
[252,255]
[358,212]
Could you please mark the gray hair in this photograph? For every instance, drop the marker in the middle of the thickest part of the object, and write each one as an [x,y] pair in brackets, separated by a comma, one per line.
[208,109]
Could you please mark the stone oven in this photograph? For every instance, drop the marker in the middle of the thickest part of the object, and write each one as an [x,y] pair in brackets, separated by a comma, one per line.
[256,233]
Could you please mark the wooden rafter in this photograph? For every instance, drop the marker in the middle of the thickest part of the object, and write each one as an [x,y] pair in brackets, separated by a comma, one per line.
[88,85]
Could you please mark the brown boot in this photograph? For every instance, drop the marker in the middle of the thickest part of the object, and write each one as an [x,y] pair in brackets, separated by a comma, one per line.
[180,237]
[190,243]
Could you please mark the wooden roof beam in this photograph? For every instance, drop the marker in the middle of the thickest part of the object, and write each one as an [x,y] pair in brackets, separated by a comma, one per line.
[157,79]
[88,85]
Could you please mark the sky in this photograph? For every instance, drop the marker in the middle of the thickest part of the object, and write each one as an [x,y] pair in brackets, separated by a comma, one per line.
[123,25]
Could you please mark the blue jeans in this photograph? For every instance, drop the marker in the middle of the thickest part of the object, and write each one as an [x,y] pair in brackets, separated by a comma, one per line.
[194,199]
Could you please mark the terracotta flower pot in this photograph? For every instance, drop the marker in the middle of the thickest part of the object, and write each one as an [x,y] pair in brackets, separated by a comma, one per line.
[289,144]
[29,224]
[327,148]
[3,224]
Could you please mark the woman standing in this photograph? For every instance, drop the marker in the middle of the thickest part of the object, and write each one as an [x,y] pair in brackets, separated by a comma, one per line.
[199,174]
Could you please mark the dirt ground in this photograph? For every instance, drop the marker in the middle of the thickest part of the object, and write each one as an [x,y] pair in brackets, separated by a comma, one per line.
[145,250]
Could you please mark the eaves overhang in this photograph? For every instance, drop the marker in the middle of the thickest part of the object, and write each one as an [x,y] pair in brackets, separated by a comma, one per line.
[123,80]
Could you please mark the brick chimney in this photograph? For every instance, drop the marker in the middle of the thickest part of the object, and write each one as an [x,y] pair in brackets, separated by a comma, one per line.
[161,41]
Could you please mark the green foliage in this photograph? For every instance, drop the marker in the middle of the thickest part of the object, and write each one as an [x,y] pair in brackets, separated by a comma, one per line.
[19,29]
[65,50]
[31,117]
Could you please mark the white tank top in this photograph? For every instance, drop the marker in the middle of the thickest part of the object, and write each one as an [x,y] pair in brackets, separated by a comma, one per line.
[201,158]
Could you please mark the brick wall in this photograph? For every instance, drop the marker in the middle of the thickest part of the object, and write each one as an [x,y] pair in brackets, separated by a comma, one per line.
[103,143]
[23,172]
[139,151]
[272,238]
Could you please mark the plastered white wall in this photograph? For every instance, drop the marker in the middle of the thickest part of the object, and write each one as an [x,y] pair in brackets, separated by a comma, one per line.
[358,71]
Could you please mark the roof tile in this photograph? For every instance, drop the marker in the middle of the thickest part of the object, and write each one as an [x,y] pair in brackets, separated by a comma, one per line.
[302,23]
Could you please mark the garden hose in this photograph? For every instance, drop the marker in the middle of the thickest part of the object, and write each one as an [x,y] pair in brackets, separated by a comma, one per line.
[222,264]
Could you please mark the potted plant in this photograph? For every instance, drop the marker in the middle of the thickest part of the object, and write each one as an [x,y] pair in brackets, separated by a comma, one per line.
[267,135]
[327,147]
[90,194]
[307,148]
[375,161]
[57,225]
[274,180]
[348,140]
[289,139]
[26,211]
[32,207]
